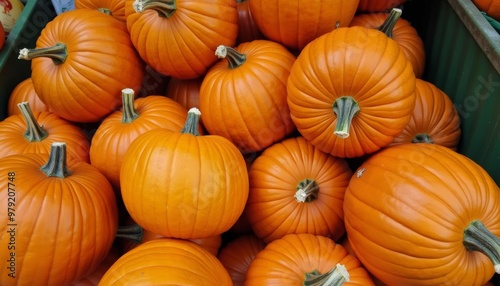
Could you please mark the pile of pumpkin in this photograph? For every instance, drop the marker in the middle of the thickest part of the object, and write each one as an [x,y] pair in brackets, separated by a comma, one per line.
[220,142]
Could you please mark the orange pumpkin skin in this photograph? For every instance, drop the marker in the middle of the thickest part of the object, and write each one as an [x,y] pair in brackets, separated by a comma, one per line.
[352,64]
[247,104]
[94,278]
[237,255]
[490,7]
[378,5]
[247,29]
[167,261]
[115,8]
[100,62]
[69,221]
[185,91]
[434,119]
[273,208]
[403,33]
[285,261]
[409,229]
[182,45]
[296,23]
[25,91]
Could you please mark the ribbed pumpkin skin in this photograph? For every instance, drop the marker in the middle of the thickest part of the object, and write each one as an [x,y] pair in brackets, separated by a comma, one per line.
[247,29]
[167,261]
[101,61]
[406,211]
[403,33]
[113,137]
[296,23]
[116,8]
[237,255]
[65,227]
[378,5]
[186,92]
[272,209]
[285,261]
[490,7]
[94,278]
[434,115]
[183,45]
[361,63]
[248,104]
[184,186]
[12,140]
[24,91]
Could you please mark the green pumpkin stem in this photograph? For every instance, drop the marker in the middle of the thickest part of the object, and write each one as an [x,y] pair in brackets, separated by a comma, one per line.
[105,11]
[34,132]
[129,111]
[165,8]
[345,108]
[234,59]
[57,53]
[307,191]
[388,26]
[132,232]
[56,166]
[478,238]
[422,138]
[337,276]
[192,122]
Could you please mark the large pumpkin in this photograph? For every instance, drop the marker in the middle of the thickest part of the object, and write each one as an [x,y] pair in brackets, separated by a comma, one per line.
[295,23]
[58,224]
[423,214]
[82,61]
[351,91]
[178,37]
[183,185]
[296,188]
[243,96]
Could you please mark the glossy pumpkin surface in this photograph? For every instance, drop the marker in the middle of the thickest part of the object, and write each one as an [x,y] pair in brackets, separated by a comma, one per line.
[406,212]
[351,91]
[25,91]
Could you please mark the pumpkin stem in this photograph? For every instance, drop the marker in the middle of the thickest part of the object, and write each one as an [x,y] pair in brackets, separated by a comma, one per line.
[307,191]
[422,138]
[388,26]
[57,53]
[478,238]
[234,59]
[130,232]
[192,122]
[105,11]
[165,8]
[56,165]
[335,277]
[345,108]
[129,111]
[34,132]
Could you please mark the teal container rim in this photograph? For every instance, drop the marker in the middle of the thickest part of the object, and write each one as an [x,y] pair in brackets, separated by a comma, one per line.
[481,30]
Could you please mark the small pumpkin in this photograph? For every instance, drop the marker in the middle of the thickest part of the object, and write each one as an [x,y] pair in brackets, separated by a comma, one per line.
[67,216]
[82,60]
[306,259]
[247,29]
[434,119]
[378,5]
[185,91]
[115,8]
[351,91]
[167,261]
[296,188]
[25,91]
[35,132]
[432,217]
[490,7]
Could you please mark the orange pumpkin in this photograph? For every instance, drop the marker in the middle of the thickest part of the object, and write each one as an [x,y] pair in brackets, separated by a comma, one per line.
[82,60]
[423,214]
[247,29]
[434,119]
[399,30]
[185,91]
[182,184]
[178,38]
[96,276]
[35,132]
[295,23]
[490,7]
[167,261]
[296,188]
[25,91]
[65,216]
[115,8]
[351,91]
[301,259]
[378,5]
